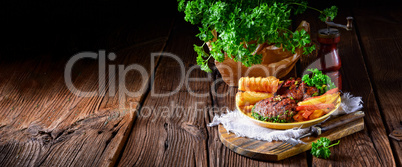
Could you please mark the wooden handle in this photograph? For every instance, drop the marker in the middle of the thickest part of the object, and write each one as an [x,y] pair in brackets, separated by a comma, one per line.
[341,120]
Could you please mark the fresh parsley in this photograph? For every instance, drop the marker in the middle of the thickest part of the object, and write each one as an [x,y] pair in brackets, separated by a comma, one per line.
[242,25]
[319,80]
[320,149]
[258,116]
[329,12]
[274,119]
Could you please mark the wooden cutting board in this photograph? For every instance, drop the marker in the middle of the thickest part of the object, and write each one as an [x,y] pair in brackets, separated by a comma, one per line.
[257,149]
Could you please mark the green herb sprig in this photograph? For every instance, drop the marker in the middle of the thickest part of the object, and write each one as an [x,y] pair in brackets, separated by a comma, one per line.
[242,25]
[320,149]
[274,119]
[319,80]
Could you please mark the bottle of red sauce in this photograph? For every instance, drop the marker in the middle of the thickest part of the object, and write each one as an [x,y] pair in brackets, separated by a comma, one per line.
[328,60]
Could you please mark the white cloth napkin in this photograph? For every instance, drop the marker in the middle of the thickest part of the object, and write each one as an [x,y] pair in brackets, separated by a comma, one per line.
[240,125]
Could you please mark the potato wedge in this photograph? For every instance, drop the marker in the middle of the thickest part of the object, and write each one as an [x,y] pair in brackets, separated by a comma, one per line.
[322,106]
[247,109]
[332,91]
[250,98]
[298,117]
[326,98]
[307,113]
[316,114]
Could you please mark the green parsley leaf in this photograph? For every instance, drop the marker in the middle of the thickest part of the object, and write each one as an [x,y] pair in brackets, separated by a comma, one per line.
[200,58]
[329,12]
[319,80]
[274,119]
[320,149]
[243,25]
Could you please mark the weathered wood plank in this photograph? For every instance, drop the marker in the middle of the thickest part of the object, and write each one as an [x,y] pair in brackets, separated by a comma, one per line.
[381,40]
[371,146]
[257,149]
[43,123]
[170,129]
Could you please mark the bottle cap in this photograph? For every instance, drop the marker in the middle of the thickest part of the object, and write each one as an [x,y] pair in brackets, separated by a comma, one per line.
[328,36]
[328,33]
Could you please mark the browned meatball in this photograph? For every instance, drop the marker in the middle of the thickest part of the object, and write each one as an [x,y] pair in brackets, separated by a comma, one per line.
[276,109]
[296,89]
[282,106]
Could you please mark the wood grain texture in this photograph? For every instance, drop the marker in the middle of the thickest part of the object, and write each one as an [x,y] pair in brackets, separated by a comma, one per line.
[44,124]
[371,146]
[381,41]
[257,149]
[170,129]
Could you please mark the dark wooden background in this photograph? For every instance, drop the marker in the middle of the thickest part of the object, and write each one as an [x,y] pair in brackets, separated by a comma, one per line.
[43,124]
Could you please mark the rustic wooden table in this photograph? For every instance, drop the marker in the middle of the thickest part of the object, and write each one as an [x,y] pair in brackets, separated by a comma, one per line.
[43,123]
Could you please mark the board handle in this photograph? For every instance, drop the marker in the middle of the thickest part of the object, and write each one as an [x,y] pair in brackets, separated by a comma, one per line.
[317,130]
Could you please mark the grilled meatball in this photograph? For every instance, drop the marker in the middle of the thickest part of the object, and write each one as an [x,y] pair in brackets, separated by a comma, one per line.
[276,108]
[309,91]
[282,106]
[296,89]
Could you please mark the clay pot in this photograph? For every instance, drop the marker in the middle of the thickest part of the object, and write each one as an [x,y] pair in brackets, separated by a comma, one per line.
[275,62]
